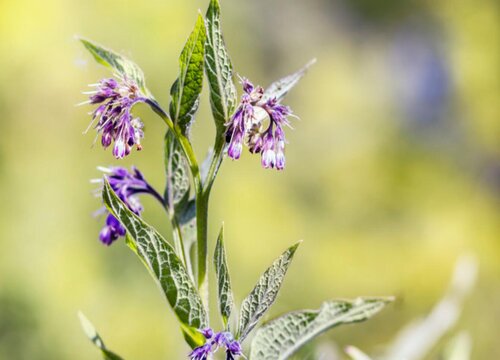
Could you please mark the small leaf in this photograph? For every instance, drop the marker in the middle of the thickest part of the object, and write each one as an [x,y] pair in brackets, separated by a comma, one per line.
[186,89]
[123,66]
[164,265]
[280,88]
[225,294]
[92,334]
[280,338]
[218,69]
[177,174]
[264,293]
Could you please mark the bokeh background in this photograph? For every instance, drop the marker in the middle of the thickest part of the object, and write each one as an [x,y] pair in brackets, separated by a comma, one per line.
[393,170]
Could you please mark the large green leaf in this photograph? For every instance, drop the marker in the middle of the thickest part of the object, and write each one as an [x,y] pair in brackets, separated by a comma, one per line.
[164,265]
[186,89]
[119,63]
[92,334]
[281,337]
[224,292]
[264,293]
[177,174]
[280,88]
[218,69]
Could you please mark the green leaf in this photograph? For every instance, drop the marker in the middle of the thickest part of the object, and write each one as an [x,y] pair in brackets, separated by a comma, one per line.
[123,66]
[186,89]
[164,265]
[92,334]
[264,293]
[280,88]
[177,174]
[281,337]
[218,69]
[224,292]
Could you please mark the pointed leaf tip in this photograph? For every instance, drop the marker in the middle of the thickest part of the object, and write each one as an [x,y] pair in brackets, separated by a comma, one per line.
[264,293]
[278,339]
[186,90]
[117,62]
[224,291]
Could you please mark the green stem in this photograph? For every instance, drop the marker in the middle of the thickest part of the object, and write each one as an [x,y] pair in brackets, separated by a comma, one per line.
[217,158]
[201,202]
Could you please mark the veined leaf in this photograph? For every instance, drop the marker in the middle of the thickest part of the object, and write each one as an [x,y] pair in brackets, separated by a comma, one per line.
[164,265]
[119,63]
[186,89]
[177,173]
[218,69]
[92,334]
[225,294]
[264,293]
[280,338]
[280,88]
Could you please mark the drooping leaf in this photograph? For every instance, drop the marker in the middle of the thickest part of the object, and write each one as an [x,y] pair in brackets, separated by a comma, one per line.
[280,338]
[224,292]
[119,63]
[164,265]
[218,69]
[186,89]
[177,174]
[264,293]
[92,334]
[280,88]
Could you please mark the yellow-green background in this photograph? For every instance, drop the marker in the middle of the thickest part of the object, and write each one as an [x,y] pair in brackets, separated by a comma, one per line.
[385,202]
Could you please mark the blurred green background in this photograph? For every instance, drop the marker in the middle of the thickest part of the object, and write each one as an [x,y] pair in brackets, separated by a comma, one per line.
[392,172]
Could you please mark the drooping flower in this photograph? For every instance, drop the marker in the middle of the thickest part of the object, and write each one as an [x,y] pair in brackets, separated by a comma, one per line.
[246,126]
[126,184]
[215,341]
[115,121]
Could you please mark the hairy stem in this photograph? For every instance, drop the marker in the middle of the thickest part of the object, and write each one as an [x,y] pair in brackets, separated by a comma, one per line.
[201,202]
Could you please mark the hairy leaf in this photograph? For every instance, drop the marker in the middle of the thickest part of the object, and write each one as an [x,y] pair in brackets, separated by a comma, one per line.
[224,292]
[92,334]
[177,173]
[218,69]
[186,89]
[280,88]
[119,63]
[281,337]
[264,293]
[164,265]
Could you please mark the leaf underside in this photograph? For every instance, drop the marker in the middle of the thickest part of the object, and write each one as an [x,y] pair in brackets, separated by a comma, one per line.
[264,293]
[280,88]
[280,338]
[224,292]
[219,69]
[164,265]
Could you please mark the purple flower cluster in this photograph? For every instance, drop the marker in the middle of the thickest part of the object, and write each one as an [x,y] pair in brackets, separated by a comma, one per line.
[126,184]
[114,118]
[246,126]
[214,342]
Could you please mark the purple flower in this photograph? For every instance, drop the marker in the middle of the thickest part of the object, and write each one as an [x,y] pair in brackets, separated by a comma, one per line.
[113,114]
[126,184]
[202,352]
[214,342]
[247,126]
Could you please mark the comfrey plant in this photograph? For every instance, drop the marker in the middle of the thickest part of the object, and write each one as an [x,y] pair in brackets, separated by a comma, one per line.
[180,264]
